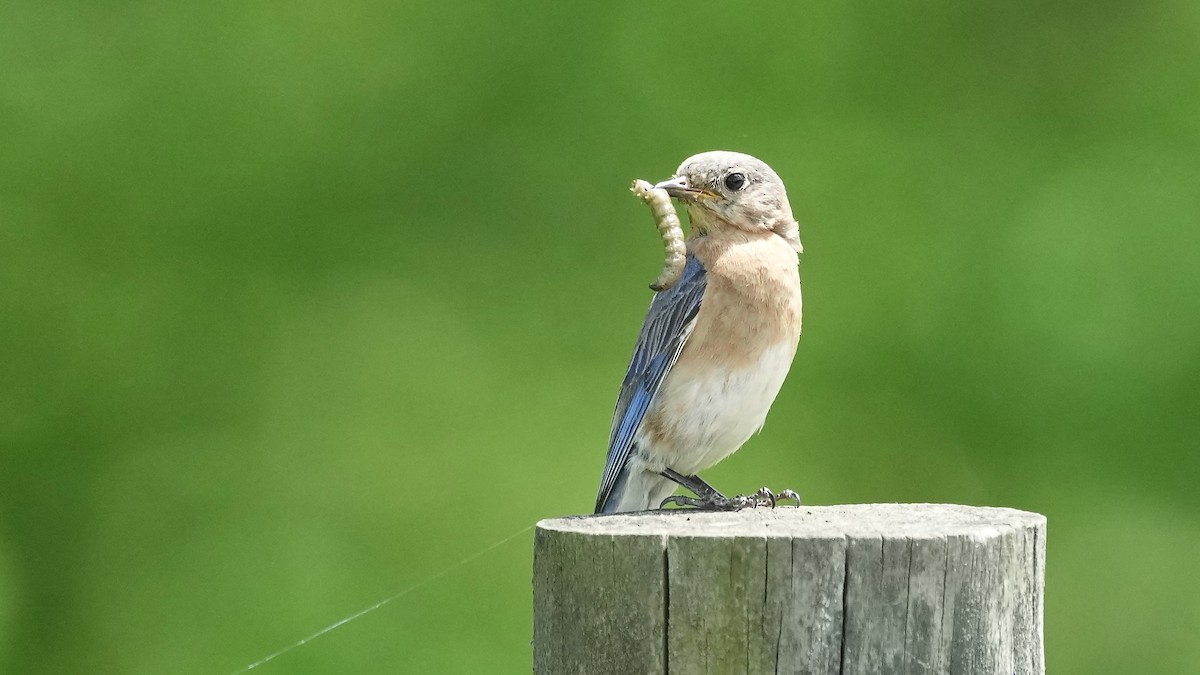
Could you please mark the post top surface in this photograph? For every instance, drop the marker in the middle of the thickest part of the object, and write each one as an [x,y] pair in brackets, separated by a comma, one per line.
[856,520]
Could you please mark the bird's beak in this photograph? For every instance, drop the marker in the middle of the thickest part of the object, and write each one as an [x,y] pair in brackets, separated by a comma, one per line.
[678,188]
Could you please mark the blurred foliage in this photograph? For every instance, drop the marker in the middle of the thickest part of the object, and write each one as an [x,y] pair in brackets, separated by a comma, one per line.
[304,303]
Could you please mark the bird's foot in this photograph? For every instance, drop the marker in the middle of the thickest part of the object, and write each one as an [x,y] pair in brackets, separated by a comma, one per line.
[765,497]
[716,501]
[711,502]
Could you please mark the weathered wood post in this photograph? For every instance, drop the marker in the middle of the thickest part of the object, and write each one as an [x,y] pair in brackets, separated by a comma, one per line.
[872,588]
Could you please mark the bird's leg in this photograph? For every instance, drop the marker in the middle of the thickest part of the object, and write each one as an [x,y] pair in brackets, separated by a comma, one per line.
[694,483]
[709,498]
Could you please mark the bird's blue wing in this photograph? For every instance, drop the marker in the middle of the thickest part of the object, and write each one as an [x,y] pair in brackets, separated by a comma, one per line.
[668,323]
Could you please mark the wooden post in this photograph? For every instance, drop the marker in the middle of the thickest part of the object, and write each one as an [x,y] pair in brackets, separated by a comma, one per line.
[871,588]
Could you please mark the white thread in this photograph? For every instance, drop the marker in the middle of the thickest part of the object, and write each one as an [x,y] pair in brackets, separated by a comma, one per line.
[379,604]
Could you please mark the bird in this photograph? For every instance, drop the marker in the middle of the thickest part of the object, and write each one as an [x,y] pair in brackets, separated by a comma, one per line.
[714,348]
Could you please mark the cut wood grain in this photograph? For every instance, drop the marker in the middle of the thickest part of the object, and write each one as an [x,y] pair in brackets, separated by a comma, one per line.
[872,588]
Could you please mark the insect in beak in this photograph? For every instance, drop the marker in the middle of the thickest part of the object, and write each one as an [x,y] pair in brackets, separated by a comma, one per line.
[672,234]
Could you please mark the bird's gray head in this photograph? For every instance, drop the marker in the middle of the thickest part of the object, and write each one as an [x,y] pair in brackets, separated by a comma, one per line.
[731,189]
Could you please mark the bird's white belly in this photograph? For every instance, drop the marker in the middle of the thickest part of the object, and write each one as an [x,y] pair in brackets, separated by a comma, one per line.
[705,412]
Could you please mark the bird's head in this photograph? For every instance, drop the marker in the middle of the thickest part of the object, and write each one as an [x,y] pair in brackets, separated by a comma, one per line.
[733,190]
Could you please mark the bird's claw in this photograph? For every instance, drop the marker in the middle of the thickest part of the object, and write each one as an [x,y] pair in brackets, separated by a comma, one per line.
[718,502]
[791,495]
[765,497]
[783,495]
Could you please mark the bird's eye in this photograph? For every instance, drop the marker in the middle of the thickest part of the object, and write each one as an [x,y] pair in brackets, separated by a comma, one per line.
[735,181]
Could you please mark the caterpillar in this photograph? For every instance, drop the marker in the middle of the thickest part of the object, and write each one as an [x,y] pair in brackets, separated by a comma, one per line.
[669,227]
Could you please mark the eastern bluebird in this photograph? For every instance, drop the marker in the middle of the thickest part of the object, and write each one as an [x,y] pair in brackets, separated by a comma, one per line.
[714,348]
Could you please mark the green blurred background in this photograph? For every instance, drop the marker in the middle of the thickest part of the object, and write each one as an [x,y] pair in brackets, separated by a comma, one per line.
[305,303]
